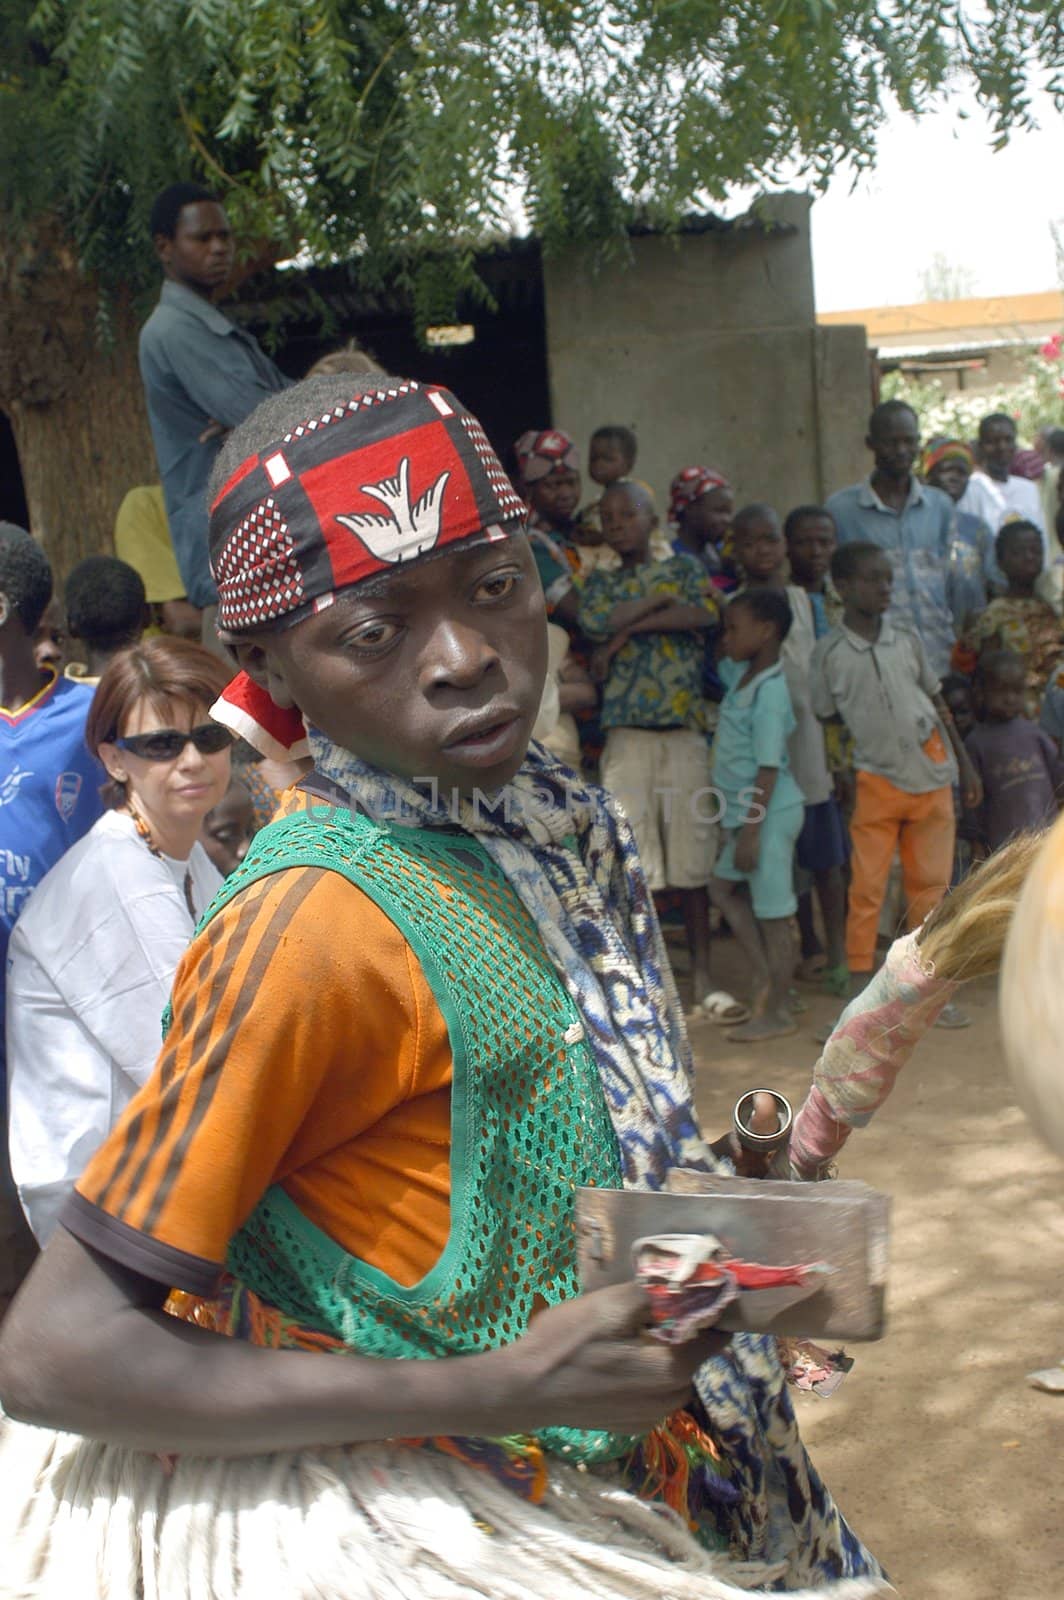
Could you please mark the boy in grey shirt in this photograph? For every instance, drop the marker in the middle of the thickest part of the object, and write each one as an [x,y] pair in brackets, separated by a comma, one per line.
[873,675]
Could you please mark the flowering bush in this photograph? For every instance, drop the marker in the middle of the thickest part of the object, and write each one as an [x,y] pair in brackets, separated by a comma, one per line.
[1036,400]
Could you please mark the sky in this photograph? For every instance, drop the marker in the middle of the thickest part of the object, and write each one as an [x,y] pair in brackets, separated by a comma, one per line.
[938,188]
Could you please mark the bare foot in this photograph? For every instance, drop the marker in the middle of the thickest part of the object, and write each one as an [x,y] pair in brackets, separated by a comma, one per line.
[766,1027]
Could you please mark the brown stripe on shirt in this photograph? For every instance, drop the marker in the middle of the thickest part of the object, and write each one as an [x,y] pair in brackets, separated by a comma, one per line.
[278,919]
[137,1129]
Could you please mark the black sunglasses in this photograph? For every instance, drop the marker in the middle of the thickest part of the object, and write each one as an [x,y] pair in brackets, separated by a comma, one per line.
[166,744]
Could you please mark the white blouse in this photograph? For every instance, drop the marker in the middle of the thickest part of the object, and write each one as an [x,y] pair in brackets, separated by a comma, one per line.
[90,967]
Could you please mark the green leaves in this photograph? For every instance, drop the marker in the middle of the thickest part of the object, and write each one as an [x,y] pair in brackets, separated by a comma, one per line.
[408,131]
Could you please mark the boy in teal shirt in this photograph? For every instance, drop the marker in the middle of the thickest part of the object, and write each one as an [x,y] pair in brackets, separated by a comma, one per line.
[763,806]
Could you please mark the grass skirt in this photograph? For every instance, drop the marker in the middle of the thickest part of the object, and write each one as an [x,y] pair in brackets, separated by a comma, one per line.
[86,1521]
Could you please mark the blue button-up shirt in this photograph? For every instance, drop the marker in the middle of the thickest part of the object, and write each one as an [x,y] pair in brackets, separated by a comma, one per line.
[197,367]
[917,540]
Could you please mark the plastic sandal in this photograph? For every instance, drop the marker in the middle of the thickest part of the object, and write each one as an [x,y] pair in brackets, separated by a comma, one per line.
[723,1009]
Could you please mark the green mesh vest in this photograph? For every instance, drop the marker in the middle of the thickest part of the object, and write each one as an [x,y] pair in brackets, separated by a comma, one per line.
[528,1117]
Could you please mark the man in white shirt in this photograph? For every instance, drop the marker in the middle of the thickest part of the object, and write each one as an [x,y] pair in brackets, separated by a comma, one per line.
[1050,445]
[994,493]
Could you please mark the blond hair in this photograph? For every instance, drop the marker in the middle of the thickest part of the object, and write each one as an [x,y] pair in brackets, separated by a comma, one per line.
[1032,992]
[964,936]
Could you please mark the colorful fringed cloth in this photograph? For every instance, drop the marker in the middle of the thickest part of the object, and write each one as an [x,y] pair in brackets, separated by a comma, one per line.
[678,1464]
[570,856]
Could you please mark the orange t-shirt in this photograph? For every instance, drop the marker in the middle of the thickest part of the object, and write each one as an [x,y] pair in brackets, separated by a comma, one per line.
[306,1050]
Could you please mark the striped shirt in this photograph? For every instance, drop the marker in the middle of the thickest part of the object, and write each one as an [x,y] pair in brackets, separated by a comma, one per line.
[306,1050]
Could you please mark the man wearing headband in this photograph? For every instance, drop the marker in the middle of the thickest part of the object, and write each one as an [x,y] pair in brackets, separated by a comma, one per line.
[431,1001]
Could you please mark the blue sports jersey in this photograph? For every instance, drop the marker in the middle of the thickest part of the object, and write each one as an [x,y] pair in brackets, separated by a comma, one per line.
[49,796]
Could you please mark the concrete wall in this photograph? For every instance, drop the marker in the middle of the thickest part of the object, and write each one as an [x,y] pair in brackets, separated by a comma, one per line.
[707,346]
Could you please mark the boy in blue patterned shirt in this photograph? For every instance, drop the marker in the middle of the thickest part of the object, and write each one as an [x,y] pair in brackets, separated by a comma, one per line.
[652,619]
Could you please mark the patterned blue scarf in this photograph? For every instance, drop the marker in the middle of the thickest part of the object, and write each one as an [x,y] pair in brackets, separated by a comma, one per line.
[570,855]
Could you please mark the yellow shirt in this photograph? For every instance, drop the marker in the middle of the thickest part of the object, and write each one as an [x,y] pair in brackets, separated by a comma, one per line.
[142,538]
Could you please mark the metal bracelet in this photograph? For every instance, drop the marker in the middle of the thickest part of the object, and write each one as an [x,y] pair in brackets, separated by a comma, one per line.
[764,1142]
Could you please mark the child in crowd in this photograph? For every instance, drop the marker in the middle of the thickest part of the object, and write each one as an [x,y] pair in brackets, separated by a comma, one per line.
[1018,765]
[763,806]
[49,637]
[701,506]
[1018,620]
[809,534]
[651,618]
[611,454]
[957,692]
[142,538]
[811,538]
[49,798]
[822,851]
[106,611]
[394,1223]
[758,545]
[264,780]
[611,458]
[874,676]
[229,827]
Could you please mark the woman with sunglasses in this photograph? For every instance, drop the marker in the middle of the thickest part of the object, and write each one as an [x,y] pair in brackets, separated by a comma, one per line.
[93,956]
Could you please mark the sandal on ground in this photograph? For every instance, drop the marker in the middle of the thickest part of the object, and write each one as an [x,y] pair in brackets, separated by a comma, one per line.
[723,1009]
[1050,1380]
[810,968]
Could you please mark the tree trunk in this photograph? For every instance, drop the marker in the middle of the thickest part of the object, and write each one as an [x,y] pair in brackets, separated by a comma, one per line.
[74,400]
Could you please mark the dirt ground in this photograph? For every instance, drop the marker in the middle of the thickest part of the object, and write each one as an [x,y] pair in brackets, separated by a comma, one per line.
[949,1466]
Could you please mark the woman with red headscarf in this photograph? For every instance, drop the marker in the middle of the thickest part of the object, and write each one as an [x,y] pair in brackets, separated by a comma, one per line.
[701,506]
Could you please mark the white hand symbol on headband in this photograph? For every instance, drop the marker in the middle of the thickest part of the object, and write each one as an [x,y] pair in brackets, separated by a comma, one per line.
[408,530]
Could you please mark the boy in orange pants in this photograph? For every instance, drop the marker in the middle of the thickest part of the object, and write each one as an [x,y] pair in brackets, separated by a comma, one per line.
[873,676]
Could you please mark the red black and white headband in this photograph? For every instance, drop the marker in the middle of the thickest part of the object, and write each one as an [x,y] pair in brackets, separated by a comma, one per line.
[390,476]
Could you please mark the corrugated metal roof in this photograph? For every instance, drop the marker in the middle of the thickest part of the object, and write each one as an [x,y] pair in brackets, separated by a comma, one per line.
[942,352]
[510,268]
